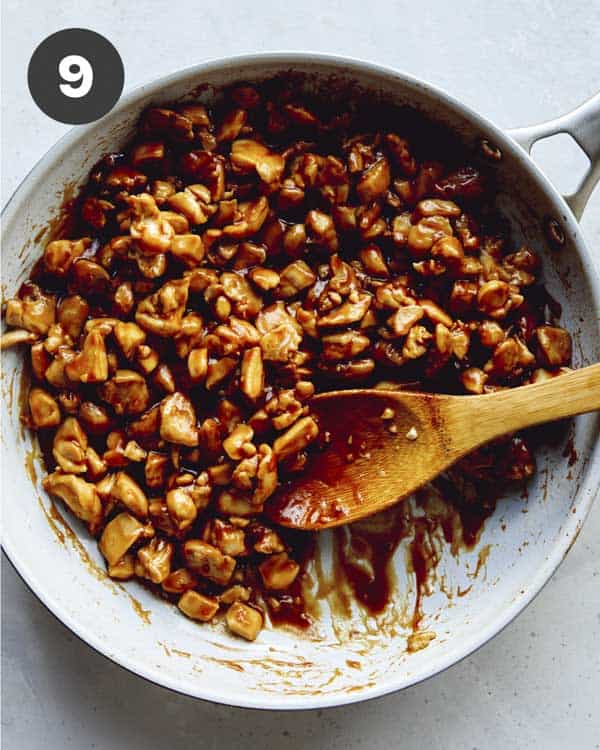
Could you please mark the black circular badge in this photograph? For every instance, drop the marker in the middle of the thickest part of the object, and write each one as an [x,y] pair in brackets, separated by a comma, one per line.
[75,76]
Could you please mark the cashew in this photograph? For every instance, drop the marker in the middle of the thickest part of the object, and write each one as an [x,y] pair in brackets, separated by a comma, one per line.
[252,373]
[303,432]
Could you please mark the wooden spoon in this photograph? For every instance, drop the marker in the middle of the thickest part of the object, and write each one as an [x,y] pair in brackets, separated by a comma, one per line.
[383,445]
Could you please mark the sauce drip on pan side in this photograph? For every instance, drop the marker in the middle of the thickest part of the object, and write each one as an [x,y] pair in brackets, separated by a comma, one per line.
[365,549]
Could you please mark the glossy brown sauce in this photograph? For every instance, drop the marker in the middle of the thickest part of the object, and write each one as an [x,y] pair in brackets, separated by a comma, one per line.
[364,556]
[363,551]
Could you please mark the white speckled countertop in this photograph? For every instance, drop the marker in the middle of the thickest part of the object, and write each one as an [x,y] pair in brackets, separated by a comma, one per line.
[534,686]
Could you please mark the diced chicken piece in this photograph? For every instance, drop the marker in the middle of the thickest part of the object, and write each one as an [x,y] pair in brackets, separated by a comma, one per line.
[473,379]
[151,231]
[188,248]
[281,335]
[238,443]
[34,311]
[120,534]
[69,447]
[435,313]
[123,569]
[94,418]
[181,507]
[347,345]
[178,420]
[247,156]
[235,593]
[404,319]
[160,120]
[226,537]
[555,345]
[322,229]
[505,358]
[193,203]
[278,571]
[493,295]
[54,371]
[244,620]
[266,475]
[155,469]
[294,278]
[88,278]
[264,278]
[374,181]
[43,408]
[252,216]
[438,207]
[416,342]
[179,581]
[208,561]
[126,392]
[91,364]
[71,315]
[198,606]
[347,313]
[236,503]
[243,298]
[127,491]
[80,496]
[266,541]
[129,337]
[162,312]
[153,561]
[60,254]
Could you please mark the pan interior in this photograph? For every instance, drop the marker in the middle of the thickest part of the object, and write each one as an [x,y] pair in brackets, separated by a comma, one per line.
[341,659]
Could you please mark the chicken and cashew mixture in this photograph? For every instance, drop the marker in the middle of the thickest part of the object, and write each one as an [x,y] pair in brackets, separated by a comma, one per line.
[216,274]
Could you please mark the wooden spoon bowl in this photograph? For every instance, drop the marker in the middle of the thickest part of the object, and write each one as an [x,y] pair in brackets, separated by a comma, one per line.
[381,446]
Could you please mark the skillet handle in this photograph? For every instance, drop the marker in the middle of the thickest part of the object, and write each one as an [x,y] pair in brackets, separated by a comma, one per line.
[583,124]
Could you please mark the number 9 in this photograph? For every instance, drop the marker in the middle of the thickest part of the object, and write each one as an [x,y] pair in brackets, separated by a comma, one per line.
[83,72]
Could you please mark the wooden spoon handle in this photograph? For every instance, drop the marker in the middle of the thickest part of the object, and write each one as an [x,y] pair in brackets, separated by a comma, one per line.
[507,411]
